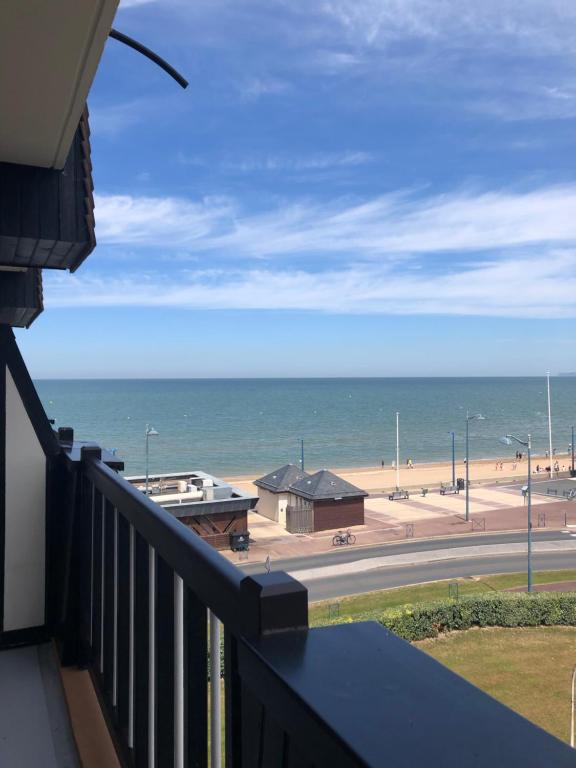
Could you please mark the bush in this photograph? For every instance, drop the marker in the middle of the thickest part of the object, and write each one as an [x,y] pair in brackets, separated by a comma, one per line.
[417,622]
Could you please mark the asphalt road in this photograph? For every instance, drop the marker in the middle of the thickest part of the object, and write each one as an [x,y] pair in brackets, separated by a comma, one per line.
[334,585]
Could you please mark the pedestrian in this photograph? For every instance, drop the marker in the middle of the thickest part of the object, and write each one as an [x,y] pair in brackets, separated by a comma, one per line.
[382,463]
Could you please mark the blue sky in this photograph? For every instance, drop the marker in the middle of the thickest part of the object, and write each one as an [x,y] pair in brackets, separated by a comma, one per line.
[347,187]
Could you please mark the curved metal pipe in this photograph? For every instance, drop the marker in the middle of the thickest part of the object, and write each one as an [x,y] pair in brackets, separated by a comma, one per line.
[131,43]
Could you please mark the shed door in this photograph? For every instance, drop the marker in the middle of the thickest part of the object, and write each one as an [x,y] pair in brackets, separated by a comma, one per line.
[300,519]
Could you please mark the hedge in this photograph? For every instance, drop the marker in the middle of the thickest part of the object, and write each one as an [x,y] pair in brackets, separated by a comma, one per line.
[417,622]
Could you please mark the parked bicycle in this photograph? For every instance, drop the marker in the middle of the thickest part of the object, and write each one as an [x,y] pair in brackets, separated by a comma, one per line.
[343,537]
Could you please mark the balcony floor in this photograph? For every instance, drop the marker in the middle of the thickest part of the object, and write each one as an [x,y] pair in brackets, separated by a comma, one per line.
[34,723]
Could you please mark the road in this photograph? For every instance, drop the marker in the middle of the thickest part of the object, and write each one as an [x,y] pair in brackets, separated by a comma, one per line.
[351,571]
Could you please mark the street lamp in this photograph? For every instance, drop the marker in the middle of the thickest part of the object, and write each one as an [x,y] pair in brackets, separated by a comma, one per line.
[397,451]
[572,709]
[453,460]
[150,432]
[469,418]
[507,440]
[302,454]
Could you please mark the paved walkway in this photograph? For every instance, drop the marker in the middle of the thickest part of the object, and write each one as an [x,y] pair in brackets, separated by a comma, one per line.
[492,509]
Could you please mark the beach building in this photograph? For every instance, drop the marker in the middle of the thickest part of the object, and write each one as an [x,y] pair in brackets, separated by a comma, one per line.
[305,503]
[274,491]
[210,507]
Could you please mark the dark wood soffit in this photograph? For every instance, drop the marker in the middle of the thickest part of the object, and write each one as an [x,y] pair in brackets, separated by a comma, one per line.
[47,215]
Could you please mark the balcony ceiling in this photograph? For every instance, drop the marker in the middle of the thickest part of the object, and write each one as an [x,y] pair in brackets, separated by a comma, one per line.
[49,53]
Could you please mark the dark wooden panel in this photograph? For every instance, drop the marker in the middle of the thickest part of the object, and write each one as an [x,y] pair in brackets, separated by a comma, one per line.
[215,529]
[330,514]
[97,577]
[164,666]
[232,703]
[108,630]
[20,297]
[195,682]
[141,650]
[43,209]
[253,724]
[123,629]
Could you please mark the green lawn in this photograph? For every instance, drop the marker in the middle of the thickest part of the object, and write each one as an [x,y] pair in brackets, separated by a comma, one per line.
[529,670]
[321,612]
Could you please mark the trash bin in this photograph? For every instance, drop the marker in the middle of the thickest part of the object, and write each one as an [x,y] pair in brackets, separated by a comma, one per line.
[239,542]
[460,483]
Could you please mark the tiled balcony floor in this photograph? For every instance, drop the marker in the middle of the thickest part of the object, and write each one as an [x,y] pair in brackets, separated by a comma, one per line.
[35,728]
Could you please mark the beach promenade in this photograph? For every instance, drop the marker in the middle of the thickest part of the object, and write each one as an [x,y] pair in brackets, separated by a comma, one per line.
[374,479]
[496,505]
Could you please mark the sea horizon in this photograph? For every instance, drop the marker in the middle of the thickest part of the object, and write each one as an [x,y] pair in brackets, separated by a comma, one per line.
[246,426]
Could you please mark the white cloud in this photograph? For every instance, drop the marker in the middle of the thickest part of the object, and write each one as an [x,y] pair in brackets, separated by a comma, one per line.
[254,88]
[135,3]
[540,26]
[400,223]
[312,162]
[524,286]
[112,119]
[153,221]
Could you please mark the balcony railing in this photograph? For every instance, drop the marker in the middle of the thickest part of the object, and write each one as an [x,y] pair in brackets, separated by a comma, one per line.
[133,596]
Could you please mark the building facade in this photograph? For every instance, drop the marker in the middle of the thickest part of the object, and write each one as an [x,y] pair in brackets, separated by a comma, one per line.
[304,503]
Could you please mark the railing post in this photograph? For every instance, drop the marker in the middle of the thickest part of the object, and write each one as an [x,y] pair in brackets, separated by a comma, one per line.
[83,550]
[269,603]
[272,602]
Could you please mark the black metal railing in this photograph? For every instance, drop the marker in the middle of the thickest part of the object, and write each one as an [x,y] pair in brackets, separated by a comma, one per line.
[137,586]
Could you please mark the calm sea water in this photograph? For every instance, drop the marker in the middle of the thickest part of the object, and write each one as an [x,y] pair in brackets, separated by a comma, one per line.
[226,426]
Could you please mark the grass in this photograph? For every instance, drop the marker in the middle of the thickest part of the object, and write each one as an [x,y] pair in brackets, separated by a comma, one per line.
[528,669]
[373,602]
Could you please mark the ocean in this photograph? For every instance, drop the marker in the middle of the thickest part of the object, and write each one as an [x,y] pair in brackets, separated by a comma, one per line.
[244,426]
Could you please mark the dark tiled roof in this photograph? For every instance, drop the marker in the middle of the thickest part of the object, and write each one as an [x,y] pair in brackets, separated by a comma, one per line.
[281,479]
[325,485]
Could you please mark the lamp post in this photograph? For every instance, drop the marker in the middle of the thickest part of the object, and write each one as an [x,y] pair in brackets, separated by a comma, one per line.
[572,709]
[469,418]
[453,460]
[150,432]
[507,440]
[397,451]
[302,453]
[551,451]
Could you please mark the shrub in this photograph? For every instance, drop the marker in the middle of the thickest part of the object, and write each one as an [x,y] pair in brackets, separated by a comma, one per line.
[501,609]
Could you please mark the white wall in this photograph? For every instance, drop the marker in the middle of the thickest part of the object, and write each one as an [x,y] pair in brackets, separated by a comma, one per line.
[267,504]
[24,574]
[272,505]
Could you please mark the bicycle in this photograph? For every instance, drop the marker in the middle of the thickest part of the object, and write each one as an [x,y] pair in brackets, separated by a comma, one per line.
[343,538]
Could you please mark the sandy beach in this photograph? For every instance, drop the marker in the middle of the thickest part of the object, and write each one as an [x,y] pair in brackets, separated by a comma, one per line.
[375,479]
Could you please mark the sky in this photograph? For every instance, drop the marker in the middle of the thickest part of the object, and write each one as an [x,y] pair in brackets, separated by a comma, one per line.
[346,188]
